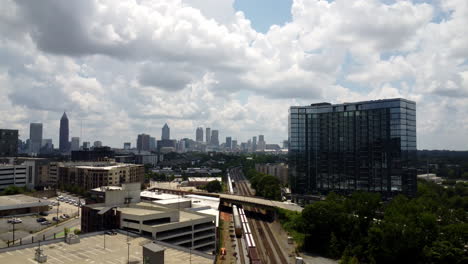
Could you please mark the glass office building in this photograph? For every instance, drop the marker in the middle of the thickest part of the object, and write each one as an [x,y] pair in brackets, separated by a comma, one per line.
[368,146]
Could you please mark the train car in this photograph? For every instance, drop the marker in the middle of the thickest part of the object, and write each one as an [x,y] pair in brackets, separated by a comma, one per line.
[253,256]
[237,221]
[231,189]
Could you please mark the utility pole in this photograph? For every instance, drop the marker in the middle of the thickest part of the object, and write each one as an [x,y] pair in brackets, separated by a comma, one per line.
[78,206]
[128,252]
[58,206]
[13,223]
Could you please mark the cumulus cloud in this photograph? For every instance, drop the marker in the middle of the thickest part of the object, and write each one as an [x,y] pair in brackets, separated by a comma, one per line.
[127,67]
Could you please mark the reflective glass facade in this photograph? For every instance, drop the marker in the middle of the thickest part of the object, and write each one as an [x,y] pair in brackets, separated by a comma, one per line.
[368,146]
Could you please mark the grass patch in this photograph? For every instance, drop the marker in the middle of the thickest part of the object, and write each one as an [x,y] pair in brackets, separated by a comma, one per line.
[292,222]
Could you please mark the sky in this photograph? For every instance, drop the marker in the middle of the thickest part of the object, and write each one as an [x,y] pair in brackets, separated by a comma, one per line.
[120,68]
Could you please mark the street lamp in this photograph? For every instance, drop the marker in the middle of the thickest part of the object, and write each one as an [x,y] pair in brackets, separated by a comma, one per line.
[58,206]
[13,223]
[128,252]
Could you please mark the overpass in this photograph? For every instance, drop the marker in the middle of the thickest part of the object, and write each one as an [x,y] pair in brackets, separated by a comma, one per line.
[238,199]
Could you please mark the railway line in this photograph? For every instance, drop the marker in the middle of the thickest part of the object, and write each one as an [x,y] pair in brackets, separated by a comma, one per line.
[268,248]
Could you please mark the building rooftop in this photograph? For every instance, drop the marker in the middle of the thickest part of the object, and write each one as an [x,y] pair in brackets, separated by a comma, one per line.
[104,167]
[204,179]
[91,250]
[172,201]
[158,196]
[21,201]
[378,103]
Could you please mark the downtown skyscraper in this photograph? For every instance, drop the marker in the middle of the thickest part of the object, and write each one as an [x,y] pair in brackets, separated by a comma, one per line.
[35,138]
[208,135]
[362,146]
[166,132]
[199,134]
[214,138]
[64,144]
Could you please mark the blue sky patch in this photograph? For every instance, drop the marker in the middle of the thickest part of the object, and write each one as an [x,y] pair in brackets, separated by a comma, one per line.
[265,13]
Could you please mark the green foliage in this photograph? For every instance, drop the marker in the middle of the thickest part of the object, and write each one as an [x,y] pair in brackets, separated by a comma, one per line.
[293,223]
[214,186]
[66,231]
[77,231]
[12,190]
[430,228]
[266,186]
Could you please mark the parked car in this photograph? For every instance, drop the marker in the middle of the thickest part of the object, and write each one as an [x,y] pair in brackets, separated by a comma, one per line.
[15,221]
[45,223]
[66,216]
[44,213]
[41,219]
[56,219]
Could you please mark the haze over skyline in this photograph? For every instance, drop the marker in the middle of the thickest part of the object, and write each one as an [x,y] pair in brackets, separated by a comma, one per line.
[128,67]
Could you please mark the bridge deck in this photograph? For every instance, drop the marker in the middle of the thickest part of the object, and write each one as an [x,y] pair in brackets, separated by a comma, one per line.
[240,199]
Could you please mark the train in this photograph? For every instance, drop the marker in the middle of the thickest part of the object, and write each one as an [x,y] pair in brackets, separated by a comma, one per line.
[237,221]
[249,240]
[231,184]
[242,227]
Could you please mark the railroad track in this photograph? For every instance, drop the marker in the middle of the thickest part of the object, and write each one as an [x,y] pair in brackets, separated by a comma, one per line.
[263,231]
[241,250]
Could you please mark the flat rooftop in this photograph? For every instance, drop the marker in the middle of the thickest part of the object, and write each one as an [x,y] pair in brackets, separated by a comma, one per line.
[108,167]
[158,196]
[21,201]
[91,250]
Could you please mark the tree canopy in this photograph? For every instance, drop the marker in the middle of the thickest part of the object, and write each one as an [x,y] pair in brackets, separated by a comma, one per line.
[361,228]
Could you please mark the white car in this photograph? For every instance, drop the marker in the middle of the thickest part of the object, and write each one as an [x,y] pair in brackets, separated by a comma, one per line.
[15,221]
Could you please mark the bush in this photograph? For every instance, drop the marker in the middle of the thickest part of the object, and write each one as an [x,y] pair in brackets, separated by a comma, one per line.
[214,186]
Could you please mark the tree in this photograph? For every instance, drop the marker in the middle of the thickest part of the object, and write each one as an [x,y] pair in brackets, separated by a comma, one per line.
[214,186]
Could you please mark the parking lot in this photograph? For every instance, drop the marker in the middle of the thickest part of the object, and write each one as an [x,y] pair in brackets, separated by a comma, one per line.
[29,223]
[118,249]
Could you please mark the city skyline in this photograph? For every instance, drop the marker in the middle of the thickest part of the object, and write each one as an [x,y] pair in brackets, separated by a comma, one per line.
[242,75]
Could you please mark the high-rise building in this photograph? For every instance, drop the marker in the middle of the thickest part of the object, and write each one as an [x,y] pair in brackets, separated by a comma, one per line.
[86,145]
[143,142]
[166,132]
[366,146]
[254,144]
[35,137]
[64,144]
[208,135]
[261,143]
[47,144]
[127,145]
[234,144]
[152,144]
[199,135]
[8,142]
[214,138]
[75,144]
[228,144]
[97,144]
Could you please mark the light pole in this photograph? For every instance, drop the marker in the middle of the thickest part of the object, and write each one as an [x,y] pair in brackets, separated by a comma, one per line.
[104,240]
[78,207]
[58,206]
[13,223]
[128,252]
